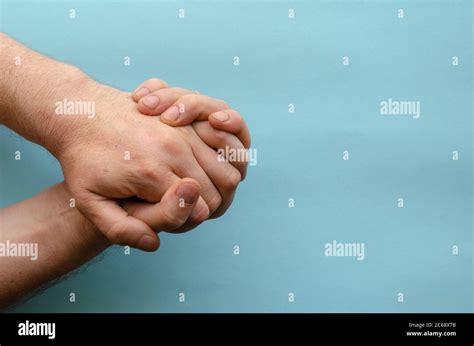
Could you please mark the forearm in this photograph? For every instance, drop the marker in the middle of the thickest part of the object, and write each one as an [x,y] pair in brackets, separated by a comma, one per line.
[64,240]
[30,87]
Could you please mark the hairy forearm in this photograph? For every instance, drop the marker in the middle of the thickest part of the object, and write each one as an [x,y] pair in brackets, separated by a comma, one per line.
[64,240]
[30,86]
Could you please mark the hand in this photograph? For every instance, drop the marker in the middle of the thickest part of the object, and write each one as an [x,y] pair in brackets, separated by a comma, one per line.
[224,128]
[115,155]
[94,161]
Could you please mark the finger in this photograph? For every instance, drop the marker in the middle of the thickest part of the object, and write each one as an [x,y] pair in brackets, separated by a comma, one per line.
[172,211]
[191,168]
[152,188]
[116,224]
[224,143]
[198,215]
[191,107]
[231,121]
[147,87]
[223,175]
[156,102]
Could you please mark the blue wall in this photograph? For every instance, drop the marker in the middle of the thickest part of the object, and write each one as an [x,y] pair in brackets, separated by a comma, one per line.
[285,61]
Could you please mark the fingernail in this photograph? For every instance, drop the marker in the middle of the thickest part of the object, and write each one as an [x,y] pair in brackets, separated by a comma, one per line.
[171,114]
[221,116]
[141,92]
[147,243]
[188,193]
[151,101]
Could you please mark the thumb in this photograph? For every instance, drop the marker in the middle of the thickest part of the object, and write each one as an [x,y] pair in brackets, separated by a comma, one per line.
[117,225]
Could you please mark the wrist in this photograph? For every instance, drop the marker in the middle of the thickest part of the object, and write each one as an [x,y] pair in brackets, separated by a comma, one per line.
[62,238]
[62,110]
[32,89]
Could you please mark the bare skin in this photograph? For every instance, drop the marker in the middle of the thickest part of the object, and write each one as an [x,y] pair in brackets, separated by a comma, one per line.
[227,126]
[129,175]
[65,238]
[92,157]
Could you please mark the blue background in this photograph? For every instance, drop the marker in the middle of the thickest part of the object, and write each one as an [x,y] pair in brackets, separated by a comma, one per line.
[283,61]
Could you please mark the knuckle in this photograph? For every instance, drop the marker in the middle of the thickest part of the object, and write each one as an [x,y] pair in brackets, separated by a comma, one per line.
[158,82]
[172,220]
[233,179]
[198,216]
[116,234]
[215,202]
[147,171]
[170,144]
[189,100]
